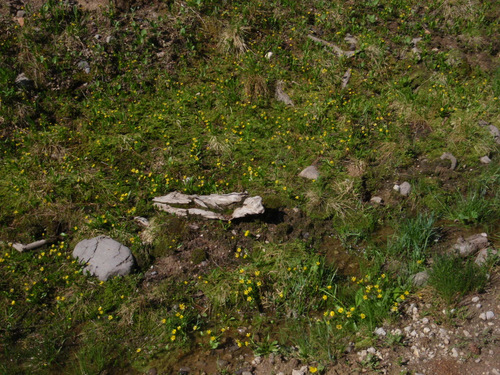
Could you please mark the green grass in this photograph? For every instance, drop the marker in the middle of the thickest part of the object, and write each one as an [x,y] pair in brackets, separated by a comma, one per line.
[185,101]
[452,278]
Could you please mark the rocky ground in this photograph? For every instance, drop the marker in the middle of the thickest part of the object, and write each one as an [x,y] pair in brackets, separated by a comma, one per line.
[428,340]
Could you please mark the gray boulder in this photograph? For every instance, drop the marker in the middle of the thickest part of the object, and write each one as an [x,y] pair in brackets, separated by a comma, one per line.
[104,257]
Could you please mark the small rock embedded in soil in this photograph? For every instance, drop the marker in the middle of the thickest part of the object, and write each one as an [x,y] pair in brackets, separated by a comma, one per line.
[405,189]
[377,200]
[23,82]
[420,279]
[485,160]
[310,173]
[380,331]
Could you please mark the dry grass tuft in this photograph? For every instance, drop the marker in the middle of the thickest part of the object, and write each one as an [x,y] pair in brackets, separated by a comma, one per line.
[232,40]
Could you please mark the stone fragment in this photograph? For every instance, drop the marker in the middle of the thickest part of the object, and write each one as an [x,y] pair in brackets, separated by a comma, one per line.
[269,55]
[303,370]
[380,331]
[420,279]
[345,78]
[470,245]
[281,95]
[485,160]
[377,200]
[405,189]
[484,254]
[310,173]
[104,257]
[449,156]
[475,299]
[251,206]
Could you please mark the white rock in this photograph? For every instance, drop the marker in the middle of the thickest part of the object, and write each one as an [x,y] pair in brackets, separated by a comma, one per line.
[380,332]
[396,188]
[425,321]
[426,330]
[269,55]
[256,361]
[475,299]
[489,315]
[478,306]
[377,200]
[482,316]
[454,352]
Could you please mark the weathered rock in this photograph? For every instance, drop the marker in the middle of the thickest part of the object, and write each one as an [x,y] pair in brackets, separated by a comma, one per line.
[302,371]
[219,202]
[405,189]
[269,55]
[470,245]
[485,160]
[420,279]
[310,173]
[488,315]
[380,332]
[345,78]
[104,257]
[20,14]
[251,206]
[281,96]
[377,200]
[23,82]
[184,371]
[449,156]
[484,254]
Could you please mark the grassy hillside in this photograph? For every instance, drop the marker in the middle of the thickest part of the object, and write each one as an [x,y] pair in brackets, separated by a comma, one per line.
[119,107]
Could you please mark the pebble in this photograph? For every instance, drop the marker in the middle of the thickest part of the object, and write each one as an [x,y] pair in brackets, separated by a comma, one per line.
[479,306]
[256,361]
[380,332]
[454,352]
[425,321]
[427,330]
[490,315]
[475,299]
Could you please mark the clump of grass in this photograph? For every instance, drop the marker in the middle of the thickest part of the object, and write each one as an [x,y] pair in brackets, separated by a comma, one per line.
[471,209]
[452,277]
[412,240]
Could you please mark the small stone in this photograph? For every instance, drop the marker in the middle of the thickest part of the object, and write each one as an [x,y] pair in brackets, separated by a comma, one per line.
[256,361]
[475,299]
[376,200]
[454,352]
[380,332]
[426,330]
[269,55]
[97,36]
[246,373]
[405,189]
[482,316]
[184,371]
[420,279]
[485,160]
[20,14]
[478,306]
[310,173]
[109,39]
[490,315]
[484,254]
[425,321]
[396,188]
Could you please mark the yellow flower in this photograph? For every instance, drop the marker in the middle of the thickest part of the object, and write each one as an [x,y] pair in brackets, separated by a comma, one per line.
[138,350]
[365,297]
[212,338]
[332,313]
[172,338]
[340,310]
[247,233]
[110,317]
[164,320]
[339,326]
[325,297]
[312,370]
[363,316]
